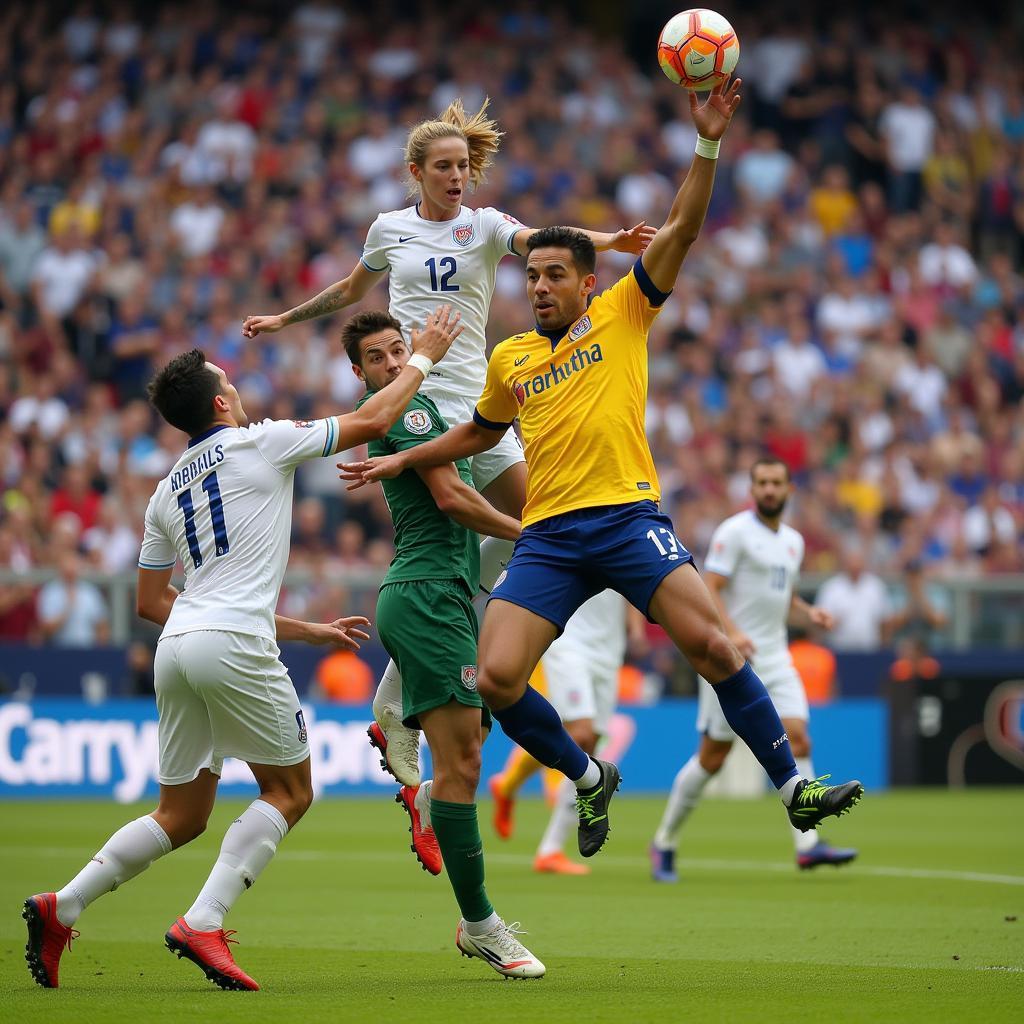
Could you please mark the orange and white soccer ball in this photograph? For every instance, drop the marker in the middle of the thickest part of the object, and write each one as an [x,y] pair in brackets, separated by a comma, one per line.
[698,49]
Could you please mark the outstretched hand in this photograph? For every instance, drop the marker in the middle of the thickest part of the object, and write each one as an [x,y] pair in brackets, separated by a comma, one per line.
[713,116]
[341,633]
[253,325]
[634,239]
[357,474]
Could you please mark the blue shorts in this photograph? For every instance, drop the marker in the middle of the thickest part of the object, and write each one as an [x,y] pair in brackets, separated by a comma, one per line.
[559,563]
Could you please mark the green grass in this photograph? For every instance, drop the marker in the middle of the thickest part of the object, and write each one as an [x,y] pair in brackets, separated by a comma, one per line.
[345,926]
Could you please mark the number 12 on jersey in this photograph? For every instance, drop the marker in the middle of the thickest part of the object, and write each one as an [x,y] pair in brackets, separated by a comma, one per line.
[220,532]
[447,266]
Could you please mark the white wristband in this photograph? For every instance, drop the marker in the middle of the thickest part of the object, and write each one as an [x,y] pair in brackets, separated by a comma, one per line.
[707,148]
[422,363]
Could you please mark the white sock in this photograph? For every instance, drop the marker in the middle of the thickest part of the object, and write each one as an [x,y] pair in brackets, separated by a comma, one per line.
[249,844]
[422,802]
[689,783]
[804,841]
[389,693]
[787,790]
[494,556]
[127,852]
[488,924]
[590,778]
[562,822]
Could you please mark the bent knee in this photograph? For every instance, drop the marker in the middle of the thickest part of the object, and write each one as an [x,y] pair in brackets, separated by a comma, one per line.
[712,761]
[180,830]
[498,688]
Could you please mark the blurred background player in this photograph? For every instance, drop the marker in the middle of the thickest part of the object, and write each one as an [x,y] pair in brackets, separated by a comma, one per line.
[440,248]
[579,674]
[428,625]
[751,569]
[224,511]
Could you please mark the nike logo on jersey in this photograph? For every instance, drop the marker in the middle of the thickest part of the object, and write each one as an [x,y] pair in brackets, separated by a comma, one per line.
[521,360]
[408,238]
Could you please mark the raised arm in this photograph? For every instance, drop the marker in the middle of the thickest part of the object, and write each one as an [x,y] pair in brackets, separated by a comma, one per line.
[374,418]
[664,256]
[634,240]
[457,500]
[334,297]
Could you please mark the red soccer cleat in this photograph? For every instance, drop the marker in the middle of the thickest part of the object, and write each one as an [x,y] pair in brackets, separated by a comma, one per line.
[424,842]
[209,952]
[47,938]
[503,807]
[558,864]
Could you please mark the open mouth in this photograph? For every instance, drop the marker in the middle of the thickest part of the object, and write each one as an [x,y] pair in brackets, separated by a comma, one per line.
[543,307]
[454,194]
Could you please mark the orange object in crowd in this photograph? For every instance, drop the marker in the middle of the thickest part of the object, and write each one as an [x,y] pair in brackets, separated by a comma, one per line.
[816,666]
[344,677]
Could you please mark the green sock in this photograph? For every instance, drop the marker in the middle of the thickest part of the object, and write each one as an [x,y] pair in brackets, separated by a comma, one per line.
[458,835]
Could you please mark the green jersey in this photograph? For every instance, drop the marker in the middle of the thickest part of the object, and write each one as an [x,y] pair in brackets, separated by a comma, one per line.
[428,544]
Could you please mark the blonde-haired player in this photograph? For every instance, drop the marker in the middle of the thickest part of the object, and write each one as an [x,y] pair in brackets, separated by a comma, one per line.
[439,249]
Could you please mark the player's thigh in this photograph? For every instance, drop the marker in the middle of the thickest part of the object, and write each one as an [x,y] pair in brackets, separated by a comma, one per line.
[253,707]
[512,641]
[567,678]
[711,720]
[429,627]
[453,734]
[184,730]
[499,474]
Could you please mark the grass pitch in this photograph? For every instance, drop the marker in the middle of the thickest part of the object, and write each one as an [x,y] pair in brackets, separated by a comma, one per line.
[927,925]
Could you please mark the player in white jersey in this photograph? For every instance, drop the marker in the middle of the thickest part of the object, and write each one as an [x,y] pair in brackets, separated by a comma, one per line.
[580,675]
[224,511]
[751,569]
[439,249]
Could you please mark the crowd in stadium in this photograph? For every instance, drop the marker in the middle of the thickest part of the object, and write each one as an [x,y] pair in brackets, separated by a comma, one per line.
[853,305]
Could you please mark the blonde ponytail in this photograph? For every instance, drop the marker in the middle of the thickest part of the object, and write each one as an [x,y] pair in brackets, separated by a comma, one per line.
[479,132]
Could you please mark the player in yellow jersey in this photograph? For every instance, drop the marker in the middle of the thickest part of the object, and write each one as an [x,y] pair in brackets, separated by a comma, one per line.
[577,382]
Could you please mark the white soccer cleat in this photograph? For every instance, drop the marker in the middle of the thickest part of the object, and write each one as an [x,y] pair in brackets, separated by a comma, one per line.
[399,746]
[501,949]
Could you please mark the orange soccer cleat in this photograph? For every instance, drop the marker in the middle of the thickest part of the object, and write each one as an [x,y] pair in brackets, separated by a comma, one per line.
[47,938]
[210,953]
[503,809]
[424,842]
[558,864]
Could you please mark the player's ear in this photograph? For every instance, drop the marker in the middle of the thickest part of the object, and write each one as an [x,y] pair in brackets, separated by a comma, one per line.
[358,371]
[589,284]
[416,172]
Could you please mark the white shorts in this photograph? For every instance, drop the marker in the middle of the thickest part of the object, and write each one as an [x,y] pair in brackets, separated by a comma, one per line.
[579,685]
[784,686]
[221,695]
[487,466]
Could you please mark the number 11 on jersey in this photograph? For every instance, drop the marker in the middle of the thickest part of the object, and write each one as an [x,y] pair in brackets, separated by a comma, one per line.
[220,532]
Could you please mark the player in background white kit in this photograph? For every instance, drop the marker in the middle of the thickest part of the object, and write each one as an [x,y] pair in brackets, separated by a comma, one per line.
[224,511]
[440,250]
[751,570]
[579,674]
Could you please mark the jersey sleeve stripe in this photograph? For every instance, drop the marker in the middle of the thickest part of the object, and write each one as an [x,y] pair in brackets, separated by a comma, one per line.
[655,296]
[151,565]
[376,270]
[329,444]
[512,241]
[489,424]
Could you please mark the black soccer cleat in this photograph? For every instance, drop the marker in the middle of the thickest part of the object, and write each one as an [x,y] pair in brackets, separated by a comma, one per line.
[813,801]
[592,807]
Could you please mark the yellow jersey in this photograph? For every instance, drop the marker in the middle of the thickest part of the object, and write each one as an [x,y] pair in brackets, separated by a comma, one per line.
[581,400]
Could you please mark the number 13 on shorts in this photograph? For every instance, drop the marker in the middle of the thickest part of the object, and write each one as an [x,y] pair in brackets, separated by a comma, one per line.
[666,542]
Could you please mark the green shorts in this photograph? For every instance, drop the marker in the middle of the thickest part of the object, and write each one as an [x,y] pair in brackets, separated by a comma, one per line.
[429,627]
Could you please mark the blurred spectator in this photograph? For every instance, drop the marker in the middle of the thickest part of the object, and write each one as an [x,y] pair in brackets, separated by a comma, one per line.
[72,612]
[860,604]
[816,666]
[908,128]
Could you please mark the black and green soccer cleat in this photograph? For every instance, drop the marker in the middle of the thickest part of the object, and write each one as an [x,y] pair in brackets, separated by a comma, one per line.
[592,808]
[813,801]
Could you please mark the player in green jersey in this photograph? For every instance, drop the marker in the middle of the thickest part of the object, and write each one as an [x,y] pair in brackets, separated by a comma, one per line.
[426,620]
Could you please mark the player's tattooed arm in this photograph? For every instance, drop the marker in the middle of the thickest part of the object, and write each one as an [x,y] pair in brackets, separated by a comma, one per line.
[334,297]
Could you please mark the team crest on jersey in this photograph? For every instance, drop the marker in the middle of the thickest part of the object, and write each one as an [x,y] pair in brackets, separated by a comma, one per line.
[462,234]
[300,721]
[510,218]
[581,328]
[303,423]
[469,677]
[417,422]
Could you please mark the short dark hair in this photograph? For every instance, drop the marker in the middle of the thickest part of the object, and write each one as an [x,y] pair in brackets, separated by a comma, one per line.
[769,460]
[183,392]
[584,255]
[362,325]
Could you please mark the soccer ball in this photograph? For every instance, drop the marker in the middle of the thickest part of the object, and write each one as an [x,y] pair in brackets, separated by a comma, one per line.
[698,49]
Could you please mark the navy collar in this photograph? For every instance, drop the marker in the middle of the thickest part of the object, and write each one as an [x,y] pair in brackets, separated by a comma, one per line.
[429,221]
[200,438]
[555,337]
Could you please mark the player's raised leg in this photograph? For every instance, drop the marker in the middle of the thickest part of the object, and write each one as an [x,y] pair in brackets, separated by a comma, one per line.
[180,817]
[399,745]
[683,607]
[811,849]
[512,641]
[453,733]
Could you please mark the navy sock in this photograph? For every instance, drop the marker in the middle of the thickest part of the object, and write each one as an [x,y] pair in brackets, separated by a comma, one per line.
[534,724]
[752,715]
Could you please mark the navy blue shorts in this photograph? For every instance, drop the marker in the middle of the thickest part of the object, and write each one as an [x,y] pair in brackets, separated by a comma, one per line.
[559,563]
